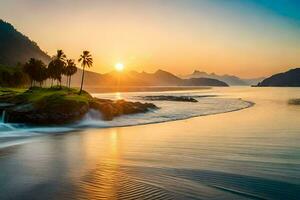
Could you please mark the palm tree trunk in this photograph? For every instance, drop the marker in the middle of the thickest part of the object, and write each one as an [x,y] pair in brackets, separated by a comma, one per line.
[70,82]
[82,80]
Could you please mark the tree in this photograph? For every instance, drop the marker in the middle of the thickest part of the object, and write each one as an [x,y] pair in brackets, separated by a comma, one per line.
[86,60]
[42,74]
[57,66]
[36,71]
[70,70]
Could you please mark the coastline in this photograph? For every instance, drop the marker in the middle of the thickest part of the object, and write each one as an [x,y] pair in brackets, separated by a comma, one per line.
[204,154]
[77,127]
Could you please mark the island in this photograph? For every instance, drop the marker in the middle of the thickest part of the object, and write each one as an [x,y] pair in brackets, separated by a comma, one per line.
[290,78]
[50,106]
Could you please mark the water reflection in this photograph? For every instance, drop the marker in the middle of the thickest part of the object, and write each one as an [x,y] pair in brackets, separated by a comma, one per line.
[118,96]
[249,154]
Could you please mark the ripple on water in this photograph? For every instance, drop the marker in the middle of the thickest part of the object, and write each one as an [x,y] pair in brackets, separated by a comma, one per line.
[131,182]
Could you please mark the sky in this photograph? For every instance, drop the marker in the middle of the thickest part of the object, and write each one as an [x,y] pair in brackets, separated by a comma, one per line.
[248,38]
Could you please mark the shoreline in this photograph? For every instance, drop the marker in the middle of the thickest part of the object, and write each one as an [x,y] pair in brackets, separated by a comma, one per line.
[75,128]
[220,149]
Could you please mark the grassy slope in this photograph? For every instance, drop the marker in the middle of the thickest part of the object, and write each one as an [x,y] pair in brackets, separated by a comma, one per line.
[4,91]
[50,98]
[61,105]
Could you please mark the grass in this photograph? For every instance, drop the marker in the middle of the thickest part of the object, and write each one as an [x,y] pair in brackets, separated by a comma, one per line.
[4,91]
[46,105]
[47,97]
[9,69]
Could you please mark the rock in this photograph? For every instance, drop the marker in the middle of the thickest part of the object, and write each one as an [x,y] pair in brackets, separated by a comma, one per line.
[170,98]
[65,113]
[294,102]
[110,109]
[48,106]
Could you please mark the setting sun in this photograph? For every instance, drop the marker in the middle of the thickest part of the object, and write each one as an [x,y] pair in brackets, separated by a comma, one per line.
[119,67]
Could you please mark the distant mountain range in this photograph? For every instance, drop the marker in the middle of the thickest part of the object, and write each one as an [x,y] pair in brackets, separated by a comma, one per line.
[17,48]
[229,79]
[290,78]
[133,78]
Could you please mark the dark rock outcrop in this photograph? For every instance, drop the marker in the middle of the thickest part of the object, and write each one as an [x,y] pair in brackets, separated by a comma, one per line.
[65,112]
[294,102]
[110,109]
[170,98]
[62,106]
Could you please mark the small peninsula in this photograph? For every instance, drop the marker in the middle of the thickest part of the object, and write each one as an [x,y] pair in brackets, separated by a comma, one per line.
[290,78]
[49,106]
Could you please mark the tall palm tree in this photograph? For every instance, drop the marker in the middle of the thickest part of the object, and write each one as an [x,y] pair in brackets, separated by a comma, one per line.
[86,60]
[60,55]
[71,69]
[57,65]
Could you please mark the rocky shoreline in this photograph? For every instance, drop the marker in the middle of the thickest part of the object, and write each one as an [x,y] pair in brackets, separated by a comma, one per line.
[47,106]
[170,98]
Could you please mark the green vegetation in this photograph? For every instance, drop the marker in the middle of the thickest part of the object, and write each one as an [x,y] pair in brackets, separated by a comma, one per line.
[56,105]
[38,72]
[36,95]
[59,66]
[70,70]
[60,105]
[12,76]
[6,91]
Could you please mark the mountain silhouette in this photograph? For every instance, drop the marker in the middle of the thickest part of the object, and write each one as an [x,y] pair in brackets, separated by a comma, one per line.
[229,79]
[290,78]
[133,78]
[17,48]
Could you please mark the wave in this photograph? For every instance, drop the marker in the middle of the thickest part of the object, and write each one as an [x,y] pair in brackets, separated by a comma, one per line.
[169,111]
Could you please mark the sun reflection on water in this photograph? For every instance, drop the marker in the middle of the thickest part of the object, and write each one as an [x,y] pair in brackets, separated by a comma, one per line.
[118,95]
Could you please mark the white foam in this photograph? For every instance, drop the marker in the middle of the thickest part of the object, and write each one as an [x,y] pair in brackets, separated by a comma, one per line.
[168,111]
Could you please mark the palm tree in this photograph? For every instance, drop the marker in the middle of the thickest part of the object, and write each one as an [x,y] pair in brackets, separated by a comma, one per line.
[56,66]
[60,55]
[71,69]
[36,71]
[86,60]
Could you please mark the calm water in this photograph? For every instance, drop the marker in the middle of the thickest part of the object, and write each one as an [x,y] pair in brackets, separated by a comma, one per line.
[252,153]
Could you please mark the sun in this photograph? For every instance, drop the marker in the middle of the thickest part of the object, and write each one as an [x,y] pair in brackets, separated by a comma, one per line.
[119,67]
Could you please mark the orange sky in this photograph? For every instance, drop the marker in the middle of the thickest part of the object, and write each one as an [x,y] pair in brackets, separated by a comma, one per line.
[243,39]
